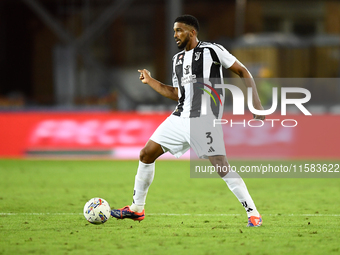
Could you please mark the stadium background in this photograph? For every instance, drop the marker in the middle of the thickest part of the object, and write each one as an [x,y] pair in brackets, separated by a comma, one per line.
[69,84]
[69,91]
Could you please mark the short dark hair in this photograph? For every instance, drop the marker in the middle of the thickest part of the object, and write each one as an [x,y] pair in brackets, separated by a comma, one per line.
[189,20]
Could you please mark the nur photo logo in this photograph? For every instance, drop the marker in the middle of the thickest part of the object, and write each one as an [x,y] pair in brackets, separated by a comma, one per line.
[239,104]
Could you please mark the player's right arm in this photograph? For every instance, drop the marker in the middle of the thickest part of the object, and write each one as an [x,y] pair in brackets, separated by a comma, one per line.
[164,90]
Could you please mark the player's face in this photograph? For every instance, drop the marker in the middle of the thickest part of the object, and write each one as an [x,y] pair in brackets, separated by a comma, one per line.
[182,34]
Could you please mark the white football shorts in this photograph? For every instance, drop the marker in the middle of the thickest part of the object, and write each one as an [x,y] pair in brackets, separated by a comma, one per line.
[178,134]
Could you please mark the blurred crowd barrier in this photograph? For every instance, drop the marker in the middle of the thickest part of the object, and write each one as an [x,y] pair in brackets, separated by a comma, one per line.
[289,56]
[82,87]
[119,135]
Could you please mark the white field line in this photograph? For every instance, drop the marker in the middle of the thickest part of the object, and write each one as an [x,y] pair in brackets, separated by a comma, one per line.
[179,214]
[231,214]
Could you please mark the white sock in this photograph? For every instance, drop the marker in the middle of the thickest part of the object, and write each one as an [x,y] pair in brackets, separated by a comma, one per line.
[143,180]
[239,188]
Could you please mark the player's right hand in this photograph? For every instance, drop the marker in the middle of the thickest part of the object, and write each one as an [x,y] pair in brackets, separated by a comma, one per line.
[144,76]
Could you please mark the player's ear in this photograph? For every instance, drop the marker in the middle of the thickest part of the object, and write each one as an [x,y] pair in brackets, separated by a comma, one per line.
[193,33]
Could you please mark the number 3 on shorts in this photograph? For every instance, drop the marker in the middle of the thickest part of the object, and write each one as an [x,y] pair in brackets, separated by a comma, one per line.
[209,137]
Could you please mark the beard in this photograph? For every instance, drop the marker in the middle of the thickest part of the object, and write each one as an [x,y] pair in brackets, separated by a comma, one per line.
[183,44]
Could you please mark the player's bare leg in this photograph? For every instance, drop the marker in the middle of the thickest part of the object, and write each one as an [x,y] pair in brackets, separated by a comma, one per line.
[143,180]
[219,161]
[150,152]
[238,187]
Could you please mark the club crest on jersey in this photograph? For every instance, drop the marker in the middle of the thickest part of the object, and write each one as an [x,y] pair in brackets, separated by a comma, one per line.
[197,55]
[187,68]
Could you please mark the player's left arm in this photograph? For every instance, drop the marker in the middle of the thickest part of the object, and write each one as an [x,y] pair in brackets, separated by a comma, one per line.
[239,69]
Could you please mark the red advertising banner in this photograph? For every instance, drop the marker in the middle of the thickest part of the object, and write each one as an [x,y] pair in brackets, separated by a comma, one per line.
[296,136]
[121,135]
[35,133]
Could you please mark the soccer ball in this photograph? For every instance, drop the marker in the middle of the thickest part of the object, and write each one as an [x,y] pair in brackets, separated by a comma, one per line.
[97,211]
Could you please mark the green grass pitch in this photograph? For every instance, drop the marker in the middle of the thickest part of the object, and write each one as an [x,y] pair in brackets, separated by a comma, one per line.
[41,203]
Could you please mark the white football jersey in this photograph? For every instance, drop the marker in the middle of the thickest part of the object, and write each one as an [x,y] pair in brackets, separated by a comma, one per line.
[195,73]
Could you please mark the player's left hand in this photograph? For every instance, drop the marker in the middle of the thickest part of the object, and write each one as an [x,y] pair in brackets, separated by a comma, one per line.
[259,117]
[258,106]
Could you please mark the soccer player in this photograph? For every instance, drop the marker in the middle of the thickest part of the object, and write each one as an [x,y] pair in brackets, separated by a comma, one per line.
[197,60]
